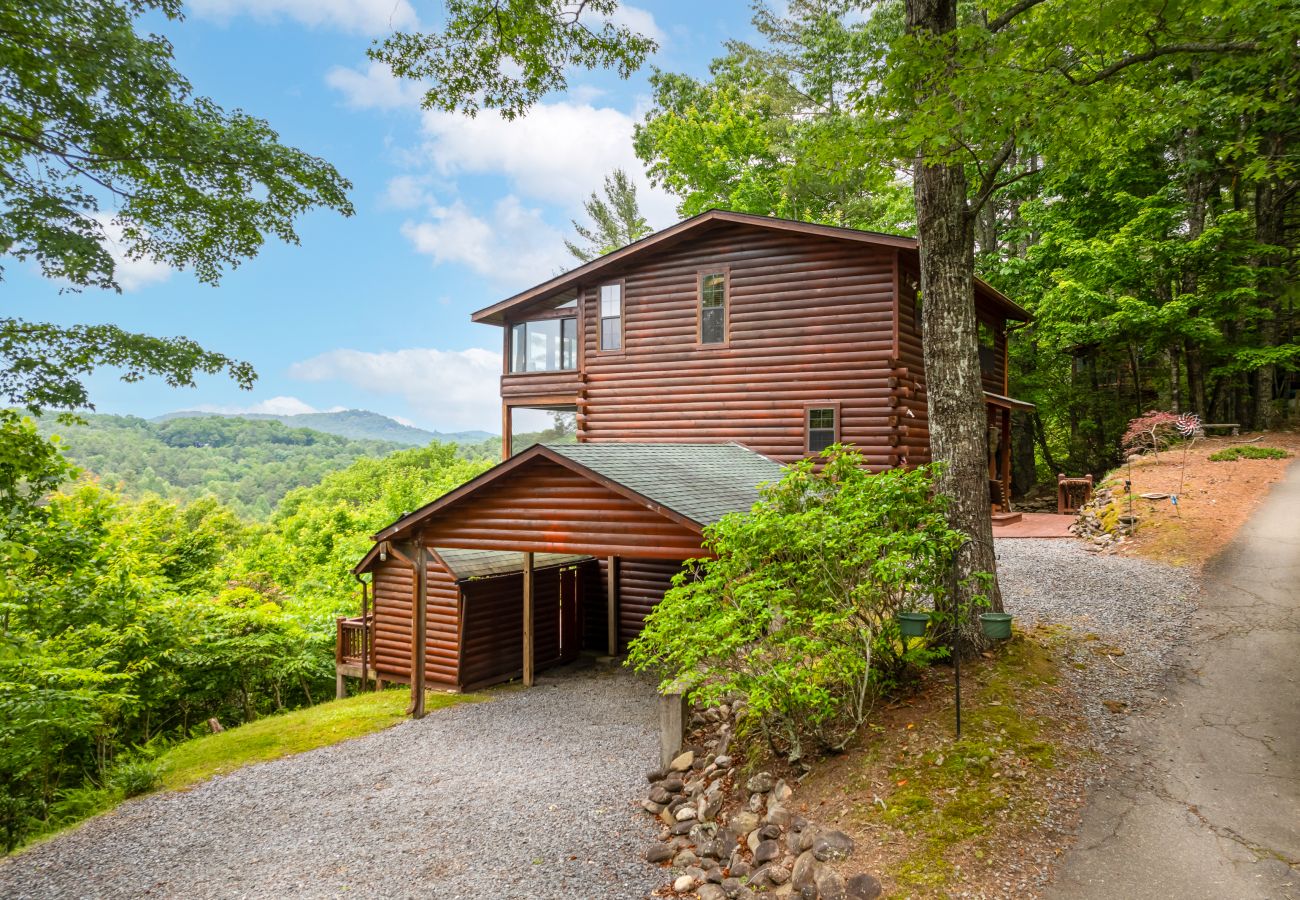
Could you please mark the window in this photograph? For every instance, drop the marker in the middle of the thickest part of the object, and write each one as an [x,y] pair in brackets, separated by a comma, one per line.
[713,308]
[544,345]
[988,345]
[611,316]
[822,430]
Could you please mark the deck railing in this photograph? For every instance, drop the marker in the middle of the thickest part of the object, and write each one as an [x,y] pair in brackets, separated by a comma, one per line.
[350,644]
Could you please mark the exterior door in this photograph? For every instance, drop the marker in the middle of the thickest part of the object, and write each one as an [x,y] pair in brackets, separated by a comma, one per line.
[570,614]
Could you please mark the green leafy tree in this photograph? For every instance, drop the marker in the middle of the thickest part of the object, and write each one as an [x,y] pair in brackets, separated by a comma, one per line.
[616,219]
[796,611]
[101,136]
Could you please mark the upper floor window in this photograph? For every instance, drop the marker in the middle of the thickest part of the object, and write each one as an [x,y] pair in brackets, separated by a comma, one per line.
[713,308]
[988,348]
[823,428]
[611,316]
[544,345]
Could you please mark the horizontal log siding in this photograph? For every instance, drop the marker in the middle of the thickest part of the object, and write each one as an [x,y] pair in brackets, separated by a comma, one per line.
[545,507]
[811,320]
[521,387]
[641,585]
[493,635]
[914,446]
[394,595]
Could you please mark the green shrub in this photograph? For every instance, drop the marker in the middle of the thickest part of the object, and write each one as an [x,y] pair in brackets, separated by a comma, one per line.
[134,776]
[797,611]
[1248,452]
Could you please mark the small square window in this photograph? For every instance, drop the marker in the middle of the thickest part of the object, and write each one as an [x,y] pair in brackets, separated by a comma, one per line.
[821,429]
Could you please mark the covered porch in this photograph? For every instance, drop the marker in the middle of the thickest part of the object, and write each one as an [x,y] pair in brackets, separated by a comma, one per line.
[998,409]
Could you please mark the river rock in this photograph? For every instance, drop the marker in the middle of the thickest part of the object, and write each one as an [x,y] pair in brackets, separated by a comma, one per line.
[863,887]
[832,845]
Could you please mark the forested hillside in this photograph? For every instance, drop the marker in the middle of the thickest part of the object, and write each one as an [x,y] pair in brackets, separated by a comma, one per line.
[127,623]
[248,465]
[356,424]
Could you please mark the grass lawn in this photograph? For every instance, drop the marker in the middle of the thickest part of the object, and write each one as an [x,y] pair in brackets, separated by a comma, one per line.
[196,760]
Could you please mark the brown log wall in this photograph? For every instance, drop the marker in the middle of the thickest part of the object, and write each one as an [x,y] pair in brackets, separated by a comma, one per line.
[545,507]
[641,585]
[394,596]
[811,320]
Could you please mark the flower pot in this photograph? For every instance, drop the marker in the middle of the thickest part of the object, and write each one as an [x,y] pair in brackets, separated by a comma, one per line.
[996,625]
[912,624]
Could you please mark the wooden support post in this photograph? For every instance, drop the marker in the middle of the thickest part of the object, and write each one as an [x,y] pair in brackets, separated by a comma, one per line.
[1006,460]
[419,629]
[611,604]
[507,430]
[672,726]
[340,686]
[528,620]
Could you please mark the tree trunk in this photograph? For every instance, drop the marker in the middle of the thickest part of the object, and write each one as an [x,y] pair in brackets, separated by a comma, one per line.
[1268,230]
[954,391]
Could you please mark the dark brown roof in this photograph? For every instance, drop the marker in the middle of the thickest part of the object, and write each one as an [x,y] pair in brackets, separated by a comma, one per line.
[495,314]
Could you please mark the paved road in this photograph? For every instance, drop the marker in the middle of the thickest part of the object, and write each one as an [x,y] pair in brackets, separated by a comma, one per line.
[1209,807]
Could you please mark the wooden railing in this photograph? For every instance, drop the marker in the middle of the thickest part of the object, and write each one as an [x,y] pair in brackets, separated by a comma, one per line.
[350,644]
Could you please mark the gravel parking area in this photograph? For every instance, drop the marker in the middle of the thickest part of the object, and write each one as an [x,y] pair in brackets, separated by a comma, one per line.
[527,797]
[1132,614]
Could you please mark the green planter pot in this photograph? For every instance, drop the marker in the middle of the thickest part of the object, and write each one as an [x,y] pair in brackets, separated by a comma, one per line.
[996,625]
[912,624]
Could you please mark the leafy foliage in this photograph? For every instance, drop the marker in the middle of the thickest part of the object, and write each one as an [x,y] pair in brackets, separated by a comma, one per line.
[101,137]
[616,219]
[508,54]
[1248,451]
[126,624]
[797,610]
[1151,432]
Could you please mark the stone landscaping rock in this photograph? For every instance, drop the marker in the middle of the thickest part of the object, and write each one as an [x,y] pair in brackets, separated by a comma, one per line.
[651,807]
[660,796]
[863,887]
[760,783]
[685,814]
[832,845]
[731,886]
[658,853]
[682,762]
[778,874]
[741,869]
[766,851]
[683,884]
[781,792]
[654,775]
[779,816]
[684,859]
[723,762]
[769,832]
[744,822]
[808,836]
[756,804]
[808,893]
[711,892]
[672,784]
[830,885]
[805,871]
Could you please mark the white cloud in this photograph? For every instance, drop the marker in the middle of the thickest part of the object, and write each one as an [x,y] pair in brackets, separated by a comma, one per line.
[559,152]
[641,21]
[375,87]
[449,389]
[407,192]
[130,274]
[359,16]
[513,244]
[275,406]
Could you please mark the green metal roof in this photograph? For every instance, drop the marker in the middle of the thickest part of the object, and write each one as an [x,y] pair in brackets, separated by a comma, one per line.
[486,563]
[702,482]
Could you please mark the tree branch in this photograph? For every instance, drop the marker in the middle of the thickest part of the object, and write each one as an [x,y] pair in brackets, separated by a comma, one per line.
[1006,18]
[1155,53]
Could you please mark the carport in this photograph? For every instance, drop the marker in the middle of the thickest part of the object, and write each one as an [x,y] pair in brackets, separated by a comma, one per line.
[636,510]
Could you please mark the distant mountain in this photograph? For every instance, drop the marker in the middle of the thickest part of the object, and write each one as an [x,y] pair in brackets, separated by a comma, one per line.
[354,424]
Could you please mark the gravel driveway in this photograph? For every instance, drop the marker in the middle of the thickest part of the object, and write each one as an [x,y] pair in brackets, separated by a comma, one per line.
[528,796]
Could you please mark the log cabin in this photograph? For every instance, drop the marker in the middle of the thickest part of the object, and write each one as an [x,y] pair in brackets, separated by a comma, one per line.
[697,361]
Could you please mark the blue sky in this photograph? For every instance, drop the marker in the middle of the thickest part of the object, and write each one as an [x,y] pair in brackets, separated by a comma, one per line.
[452,214]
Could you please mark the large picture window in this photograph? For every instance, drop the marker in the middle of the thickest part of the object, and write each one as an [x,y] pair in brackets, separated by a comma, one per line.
[544,345]
[713,308]
[611,317]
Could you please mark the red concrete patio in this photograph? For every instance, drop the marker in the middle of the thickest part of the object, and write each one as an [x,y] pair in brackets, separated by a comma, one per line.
[1036,525]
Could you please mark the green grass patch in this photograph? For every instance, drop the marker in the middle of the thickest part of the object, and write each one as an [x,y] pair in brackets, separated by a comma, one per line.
[1248,452]
[293,732]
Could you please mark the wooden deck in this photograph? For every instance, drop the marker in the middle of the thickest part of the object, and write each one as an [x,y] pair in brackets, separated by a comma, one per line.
[1036,525]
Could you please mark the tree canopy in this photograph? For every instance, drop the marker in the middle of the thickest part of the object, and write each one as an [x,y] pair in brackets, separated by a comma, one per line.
[103,140]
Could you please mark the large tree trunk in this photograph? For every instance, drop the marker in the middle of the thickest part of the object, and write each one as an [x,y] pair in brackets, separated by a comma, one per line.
[1268,231]
[954,392]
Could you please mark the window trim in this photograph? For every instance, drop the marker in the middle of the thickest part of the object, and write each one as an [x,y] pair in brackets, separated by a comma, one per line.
[622,318]
[833,405]
[725,272]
